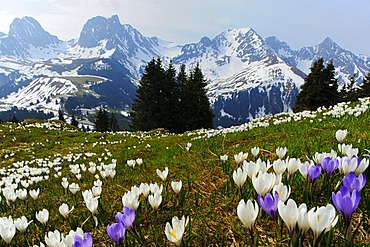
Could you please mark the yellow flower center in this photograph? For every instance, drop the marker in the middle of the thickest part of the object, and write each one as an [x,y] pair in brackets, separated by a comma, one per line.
[173,233]
[318,218]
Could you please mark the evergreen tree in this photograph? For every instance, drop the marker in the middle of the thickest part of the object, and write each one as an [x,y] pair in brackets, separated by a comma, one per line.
[197,112]
[182,79]
[74,121]
[320,88]
[61,115]
[147,107]
[113,123]
[175,103]
[349,92]
[14,119]
[171,101]
[102,121]
[365,87]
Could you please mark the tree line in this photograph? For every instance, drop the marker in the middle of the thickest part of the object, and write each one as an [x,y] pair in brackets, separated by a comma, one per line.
[174,101]
[320,88]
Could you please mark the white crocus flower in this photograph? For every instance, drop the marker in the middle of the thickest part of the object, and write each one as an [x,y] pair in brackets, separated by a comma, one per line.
[175,232]
[292,165]
[247,213]
[139,161]
[240,157]
[7,232]
[144,189]
[34,193]
[96,190]
[239,177]
[74,188]
[303,169]
[155,200]
[263,182]
[224,158]
[130,201]
[64,210]
[54,239]
[264,166]
[282,190]
[279,166]
[251,168]
[340,135]
[255,151]
[22,223]
[154,188]
[43,216]
[281,152]
[321,218]
[362,167]
[303,223]
[176,186]
[92,204]
[289,214]
[163,174]
[347,165]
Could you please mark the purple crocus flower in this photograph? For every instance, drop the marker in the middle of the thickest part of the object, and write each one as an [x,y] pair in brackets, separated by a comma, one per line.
[86,241]
[354,183]
[314,172]
[116,232]
[269,204]
[346,202]
[127,218]
[329,165]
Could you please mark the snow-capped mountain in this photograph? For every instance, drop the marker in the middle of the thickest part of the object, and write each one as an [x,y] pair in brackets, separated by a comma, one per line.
[248,76]
[345,62]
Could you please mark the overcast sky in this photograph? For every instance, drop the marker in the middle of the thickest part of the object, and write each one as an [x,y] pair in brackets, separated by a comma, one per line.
[298,22]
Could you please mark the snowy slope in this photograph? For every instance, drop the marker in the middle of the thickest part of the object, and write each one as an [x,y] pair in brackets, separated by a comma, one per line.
[46,93]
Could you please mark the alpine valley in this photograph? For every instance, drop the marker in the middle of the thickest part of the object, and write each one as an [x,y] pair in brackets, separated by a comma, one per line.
[248,76]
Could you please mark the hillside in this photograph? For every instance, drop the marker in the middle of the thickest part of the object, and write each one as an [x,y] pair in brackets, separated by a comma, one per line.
[38,155]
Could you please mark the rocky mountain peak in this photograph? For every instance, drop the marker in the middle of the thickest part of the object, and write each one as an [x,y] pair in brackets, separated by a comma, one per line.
[29,32]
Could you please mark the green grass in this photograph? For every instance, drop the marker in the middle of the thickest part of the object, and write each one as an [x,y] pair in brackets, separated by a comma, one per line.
[209,195]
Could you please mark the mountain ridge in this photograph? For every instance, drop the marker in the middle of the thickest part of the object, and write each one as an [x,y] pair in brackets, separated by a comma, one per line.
[237,63]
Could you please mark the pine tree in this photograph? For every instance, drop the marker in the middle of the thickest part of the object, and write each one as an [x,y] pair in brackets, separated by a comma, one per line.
[197,112]
[181,80]
[74,121]
[365,87]
[61,115]
[319,88]
[349,92]
[113,123]
[171,101]
[175,103]
[102,121]
[14,119]
[146,109]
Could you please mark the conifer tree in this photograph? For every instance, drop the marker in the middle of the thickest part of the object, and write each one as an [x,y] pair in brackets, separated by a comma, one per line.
[14,119]
[175,103]
[113,123]
[146,109]
[102,121]
[197,112]
[365,87]
[61,115]
[349,92]
[320,88]
[181,80]
[74,121]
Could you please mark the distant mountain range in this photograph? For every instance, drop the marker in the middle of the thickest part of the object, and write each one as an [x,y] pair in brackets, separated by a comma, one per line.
[248,76]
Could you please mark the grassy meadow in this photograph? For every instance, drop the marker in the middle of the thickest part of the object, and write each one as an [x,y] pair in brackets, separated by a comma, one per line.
[41,154]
